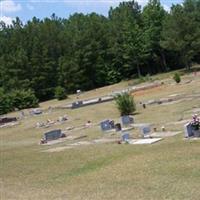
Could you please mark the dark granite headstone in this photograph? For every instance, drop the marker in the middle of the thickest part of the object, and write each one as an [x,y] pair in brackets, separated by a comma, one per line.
[53,135]
[188,130]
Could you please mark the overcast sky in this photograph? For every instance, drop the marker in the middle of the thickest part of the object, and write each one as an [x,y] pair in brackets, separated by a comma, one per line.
[27,9]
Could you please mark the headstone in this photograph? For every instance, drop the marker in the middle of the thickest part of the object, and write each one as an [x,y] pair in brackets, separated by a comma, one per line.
[125,137]
[77,104]
[118,127]
[145,130]
[126,120]
[36,111]
[53,135]
[106,125]
[78,92]
[188,130]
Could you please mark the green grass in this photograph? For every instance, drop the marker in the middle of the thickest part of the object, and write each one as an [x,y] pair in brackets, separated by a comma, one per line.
[169,169]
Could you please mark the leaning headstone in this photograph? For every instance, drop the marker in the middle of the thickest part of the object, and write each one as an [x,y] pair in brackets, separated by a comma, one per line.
[188,130]
[126,120]
[52,135]
[106,125]
[125,137]
[145,130]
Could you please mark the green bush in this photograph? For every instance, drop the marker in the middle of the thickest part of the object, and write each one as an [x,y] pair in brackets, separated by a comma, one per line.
[60,93]
[22,99]
[5,102]
[125,104]
[19,99]
[177,78]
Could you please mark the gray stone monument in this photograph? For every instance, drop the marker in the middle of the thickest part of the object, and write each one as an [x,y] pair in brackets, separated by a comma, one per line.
[125,136]
[127,119]
[145,130]
[106,125]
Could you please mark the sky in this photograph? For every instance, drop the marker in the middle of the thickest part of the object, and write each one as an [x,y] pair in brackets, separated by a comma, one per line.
[27,9]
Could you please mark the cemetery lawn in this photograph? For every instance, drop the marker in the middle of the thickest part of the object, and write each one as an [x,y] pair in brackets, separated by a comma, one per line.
[169,169]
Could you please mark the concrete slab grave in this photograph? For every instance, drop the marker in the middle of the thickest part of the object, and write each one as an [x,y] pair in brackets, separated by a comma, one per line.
[144,141]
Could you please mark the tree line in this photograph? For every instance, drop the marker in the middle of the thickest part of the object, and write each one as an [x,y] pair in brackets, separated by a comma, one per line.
[90,51]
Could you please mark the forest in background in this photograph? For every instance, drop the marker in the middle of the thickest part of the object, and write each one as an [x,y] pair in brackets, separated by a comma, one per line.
[89,51]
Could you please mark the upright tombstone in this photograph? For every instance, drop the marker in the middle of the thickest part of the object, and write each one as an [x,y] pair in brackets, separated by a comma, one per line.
[127,119]
[125,137]
[106,125]
[188,131]
[145,130]
[52,135]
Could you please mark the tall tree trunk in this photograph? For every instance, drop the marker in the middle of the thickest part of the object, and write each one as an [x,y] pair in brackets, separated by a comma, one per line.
[163,61]
[138,69]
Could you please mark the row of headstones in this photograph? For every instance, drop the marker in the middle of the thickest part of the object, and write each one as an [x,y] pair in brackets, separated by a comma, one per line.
[107,125]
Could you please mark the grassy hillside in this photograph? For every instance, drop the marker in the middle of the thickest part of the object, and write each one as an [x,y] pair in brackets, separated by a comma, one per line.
[169,169]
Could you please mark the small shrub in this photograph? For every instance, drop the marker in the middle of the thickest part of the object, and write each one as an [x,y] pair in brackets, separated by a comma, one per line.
[60,93]
[177,78]
[125,104]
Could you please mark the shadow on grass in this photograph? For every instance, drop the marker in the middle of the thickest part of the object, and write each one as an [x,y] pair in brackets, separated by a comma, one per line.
[136,113]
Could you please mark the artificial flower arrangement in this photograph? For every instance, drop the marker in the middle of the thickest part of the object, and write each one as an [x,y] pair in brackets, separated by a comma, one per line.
[195,122]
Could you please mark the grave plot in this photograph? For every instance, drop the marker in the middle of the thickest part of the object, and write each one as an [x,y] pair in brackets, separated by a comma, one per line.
[144,141]
[49,122]
[84,143]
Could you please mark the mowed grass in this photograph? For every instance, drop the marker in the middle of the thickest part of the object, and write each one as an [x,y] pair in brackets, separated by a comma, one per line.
[169,169]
